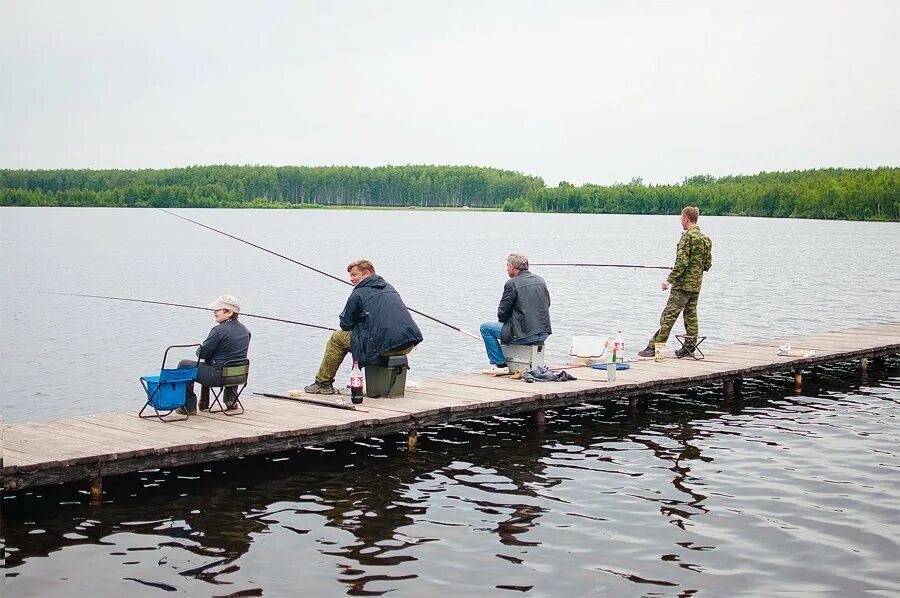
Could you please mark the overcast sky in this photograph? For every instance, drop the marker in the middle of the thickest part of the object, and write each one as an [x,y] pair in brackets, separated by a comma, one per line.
[599,91]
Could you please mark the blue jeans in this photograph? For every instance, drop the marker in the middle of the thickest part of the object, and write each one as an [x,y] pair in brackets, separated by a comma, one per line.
[490,332]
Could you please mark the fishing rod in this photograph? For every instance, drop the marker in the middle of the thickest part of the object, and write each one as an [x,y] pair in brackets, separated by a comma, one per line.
[246,315]
[608,266]
[311,401]
[415,311]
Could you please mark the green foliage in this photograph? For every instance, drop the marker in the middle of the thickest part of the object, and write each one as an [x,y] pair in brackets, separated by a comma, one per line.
[834,193]
[267,186]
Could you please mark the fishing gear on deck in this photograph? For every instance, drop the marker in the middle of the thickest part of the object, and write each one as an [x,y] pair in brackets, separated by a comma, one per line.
[320,402]
[608,266]
[424,315]
[243,314]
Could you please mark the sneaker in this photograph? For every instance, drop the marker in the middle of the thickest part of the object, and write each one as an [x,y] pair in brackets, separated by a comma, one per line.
[184,411]
[320,388]
[684,352]
[648,352]
[497,371]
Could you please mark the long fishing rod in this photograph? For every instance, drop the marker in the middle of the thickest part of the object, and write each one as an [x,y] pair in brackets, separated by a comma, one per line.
[608,266]
[415,311]
[245,315]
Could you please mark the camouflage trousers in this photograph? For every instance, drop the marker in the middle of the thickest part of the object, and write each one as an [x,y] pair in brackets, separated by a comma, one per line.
[678,301]
[336,350]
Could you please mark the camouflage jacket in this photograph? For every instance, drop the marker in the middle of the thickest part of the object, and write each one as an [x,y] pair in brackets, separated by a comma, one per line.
[693,258]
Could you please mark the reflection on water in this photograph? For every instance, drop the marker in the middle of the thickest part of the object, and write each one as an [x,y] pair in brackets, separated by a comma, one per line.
[771,492]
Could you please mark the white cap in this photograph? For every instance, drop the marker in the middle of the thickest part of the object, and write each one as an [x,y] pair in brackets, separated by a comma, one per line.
[227,302]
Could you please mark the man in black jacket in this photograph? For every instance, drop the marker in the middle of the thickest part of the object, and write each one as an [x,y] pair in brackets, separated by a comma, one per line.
[374,323]
[524,314]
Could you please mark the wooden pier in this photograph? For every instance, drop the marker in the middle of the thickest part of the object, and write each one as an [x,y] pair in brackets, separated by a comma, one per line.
[94,446]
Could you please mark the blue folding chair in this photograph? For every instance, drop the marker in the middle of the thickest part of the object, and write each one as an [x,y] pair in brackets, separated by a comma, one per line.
[166,392]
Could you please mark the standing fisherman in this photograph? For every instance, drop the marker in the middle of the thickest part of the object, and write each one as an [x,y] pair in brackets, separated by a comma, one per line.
[693,258]
[229,339]
[374,323]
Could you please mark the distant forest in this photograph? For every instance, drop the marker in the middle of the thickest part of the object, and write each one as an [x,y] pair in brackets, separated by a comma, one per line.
[832,193]
[266,186]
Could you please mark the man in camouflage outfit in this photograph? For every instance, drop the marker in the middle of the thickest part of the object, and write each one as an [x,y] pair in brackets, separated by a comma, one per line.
[693,258]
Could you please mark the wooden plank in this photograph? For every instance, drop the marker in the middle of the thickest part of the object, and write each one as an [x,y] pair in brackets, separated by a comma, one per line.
[456,403]
[43,453]
[94,440]
[485,395]
[855,340]
[189,439]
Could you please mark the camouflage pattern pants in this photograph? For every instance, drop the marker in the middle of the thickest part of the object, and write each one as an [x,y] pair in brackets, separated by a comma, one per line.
[336,350]
[678,301]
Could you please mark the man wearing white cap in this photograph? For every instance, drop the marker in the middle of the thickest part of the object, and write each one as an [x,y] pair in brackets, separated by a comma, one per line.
[229,339]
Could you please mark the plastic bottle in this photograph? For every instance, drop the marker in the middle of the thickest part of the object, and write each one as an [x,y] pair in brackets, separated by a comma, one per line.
[619,348]
[356,383]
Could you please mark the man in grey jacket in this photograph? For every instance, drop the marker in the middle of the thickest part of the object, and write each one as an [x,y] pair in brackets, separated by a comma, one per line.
[524,314]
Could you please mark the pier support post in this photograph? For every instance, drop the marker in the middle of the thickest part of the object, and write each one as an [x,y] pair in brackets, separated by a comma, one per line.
[96,490]
[728,389]
[798,381]
[412,439]
[539,418]
[633,403]
[864,364]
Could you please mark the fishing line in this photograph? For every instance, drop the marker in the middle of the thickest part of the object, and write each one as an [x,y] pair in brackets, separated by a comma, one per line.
[607,266]
[432,318]
[242,314]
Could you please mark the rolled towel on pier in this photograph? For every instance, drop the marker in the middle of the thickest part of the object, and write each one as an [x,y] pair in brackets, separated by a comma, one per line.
[786,351]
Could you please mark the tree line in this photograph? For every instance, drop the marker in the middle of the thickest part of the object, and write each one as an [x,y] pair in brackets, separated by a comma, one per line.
[266,186]
[828,193]
[831,193]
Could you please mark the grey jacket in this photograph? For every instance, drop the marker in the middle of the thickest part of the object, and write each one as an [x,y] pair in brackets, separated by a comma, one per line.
[524,308]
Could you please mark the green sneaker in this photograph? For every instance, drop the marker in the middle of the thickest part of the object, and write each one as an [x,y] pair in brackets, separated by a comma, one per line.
[320,388]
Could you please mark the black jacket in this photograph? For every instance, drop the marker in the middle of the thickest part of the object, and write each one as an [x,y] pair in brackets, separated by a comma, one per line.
[379,320]
[524,308]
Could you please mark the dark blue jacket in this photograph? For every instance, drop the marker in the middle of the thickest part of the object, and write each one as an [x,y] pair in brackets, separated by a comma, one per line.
[226,341]
[379,320]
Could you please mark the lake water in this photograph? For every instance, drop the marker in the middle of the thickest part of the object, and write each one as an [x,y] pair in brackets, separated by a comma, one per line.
[775,492]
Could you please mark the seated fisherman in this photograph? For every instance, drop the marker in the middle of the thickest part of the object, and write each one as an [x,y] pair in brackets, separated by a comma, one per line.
[524,314]
[228,339]
[375,323]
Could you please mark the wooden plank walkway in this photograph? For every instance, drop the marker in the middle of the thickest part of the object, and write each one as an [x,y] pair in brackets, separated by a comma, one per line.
[92,446]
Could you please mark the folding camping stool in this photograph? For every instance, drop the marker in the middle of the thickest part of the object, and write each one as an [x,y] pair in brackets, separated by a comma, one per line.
[692,344]
[234,373]
[166,391]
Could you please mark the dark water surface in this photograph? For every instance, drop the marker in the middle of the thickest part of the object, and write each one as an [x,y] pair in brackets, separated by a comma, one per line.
[774,492]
